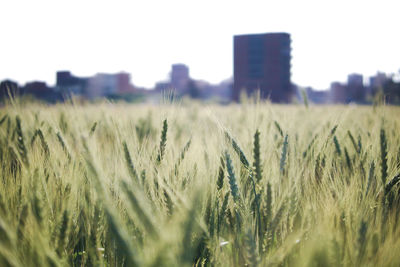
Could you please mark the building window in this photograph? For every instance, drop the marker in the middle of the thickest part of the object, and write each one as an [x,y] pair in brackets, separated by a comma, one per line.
[255,55]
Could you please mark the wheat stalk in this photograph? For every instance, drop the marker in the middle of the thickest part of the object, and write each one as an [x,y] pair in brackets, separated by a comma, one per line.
[163,141]
[129,163]
[256,156]
[384,166]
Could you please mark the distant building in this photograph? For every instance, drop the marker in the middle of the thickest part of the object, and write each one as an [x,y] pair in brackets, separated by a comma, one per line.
[100,85]
[180,78]
[378,80]
[8,88]
[389,85]
[356,92]
[353,91]
[162,86]
[104,84]
[338,93]
[68,84]
[317,96]
[40,90]
[355,80]
[219,92]
[179,81]
[124,83]
[262,62]
[37,89]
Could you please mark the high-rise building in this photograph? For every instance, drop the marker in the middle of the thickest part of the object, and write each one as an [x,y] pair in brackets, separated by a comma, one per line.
[180,77]
[262,62]
[355,79]
[356,91]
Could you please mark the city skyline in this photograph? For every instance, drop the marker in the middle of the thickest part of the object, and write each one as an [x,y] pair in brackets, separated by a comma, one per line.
[329,40]
[253,72]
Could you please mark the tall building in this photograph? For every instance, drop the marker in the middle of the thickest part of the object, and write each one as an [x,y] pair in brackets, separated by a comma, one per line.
[378,80]
[355,80]
[356,91]
[262,62]
[180,77]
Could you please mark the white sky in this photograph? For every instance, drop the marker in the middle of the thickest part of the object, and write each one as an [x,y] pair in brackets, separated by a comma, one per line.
[330,39]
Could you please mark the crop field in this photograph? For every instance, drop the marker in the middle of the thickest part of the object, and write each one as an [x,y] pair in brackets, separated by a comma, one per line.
[189,184]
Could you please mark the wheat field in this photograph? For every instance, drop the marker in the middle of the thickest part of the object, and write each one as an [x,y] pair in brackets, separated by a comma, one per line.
[189,184]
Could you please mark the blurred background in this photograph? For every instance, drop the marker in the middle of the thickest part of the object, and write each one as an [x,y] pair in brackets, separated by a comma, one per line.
[330,51]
